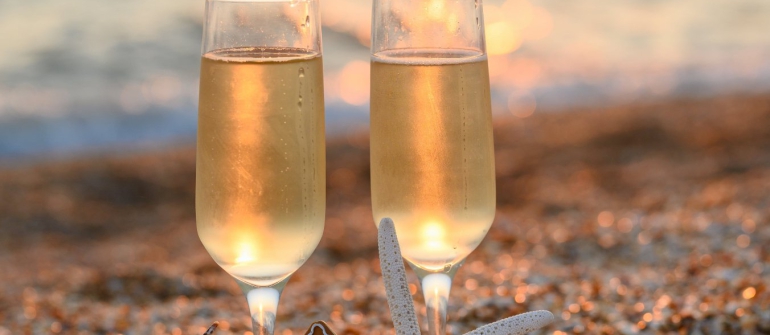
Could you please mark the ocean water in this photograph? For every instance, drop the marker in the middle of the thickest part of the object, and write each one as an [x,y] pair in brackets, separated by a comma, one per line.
[83,76]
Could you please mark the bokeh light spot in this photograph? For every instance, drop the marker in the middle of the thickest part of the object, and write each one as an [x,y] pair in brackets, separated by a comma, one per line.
[521,103]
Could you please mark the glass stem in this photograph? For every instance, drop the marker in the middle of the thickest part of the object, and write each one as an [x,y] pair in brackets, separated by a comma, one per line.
[263,306]
[435,289]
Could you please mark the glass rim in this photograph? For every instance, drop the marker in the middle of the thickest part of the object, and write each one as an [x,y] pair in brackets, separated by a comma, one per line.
[282,24]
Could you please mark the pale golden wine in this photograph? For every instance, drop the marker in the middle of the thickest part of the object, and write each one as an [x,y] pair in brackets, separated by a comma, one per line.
[260,188]
[432,154]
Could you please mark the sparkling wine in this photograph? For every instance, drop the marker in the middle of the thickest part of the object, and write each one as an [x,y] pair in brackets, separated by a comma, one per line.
[260,188]
[432,154]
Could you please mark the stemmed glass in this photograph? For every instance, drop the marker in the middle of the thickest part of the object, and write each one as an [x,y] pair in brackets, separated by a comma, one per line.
[432,153]
[260,179]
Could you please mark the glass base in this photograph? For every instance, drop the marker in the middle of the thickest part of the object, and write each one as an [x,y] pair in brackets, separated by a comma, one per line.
[263,305]
[435,290]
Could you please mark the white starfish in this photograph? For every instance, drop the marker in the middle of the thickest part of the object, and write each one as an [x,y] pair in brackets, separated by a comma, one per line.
[402,307]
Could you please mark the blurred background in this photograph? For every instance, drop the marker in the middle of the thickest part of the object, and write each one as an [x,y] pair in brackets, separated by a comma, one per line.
[631,157]
[90,76]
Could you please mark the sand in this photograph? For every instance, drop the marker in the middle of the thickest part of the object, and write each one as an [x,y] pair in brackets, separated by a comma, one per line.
[646,218]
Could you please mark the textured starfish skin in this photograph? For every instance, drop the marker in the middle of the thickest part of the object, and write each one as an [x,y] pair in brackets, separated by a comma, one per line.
[516,325]
[394,276]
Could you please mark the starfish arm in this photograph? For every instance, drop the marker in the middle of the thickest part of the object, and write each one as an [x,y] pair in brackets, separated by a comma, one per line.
[394,276]
[516,325]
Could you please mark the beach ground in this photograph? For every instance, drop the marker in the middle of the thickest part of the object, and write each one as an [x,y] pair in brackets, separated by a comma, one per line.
[650,217]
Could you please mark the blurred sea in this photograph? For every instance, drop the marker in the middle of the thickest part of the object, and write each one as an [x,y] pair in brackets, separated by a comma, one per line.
[82,76]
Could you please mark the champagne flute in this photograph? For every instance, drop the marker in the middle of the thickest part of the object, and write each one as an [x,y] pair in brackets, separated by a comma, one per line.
[260,178]
[432,153]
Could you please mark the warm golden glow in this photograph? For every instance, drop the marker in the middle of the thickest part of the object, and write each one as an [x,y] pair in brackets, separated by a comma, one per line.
[502,38]
[247,252]
[260,164]
[452,23]
[246,91]
[509,25]
[433,230]
[432,158]
[749,293]
[426,114]
[434,234]
[437,10]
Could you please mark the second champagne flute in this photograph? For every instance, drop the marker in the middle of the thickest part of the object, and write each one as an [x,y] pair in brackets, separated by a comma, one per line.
[432,154]
[260,178]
